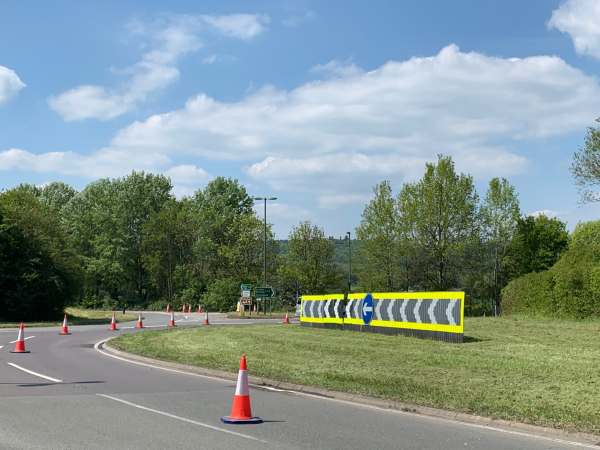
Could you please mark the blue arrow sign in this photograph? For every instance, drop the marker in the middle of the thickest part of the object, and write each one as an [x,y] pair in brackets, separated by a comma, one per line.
[367,309]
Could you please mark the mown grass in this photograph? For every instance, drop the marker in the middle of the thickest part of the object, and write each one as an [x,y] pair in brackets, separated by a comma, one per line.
[78,316]
[537,371]
[274,315]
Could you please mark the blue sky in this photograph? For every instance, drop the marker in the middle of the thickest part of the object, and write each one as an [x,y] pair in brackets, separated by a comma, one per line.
[311,101]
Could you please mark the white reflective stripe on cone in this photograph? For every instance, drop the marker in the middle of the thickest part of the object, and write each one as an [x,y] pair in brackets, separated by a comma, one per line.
[242,383]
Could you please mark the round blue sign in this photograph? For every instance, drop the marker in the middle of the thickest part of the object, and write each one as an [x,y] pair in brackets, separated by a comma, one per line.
[367,309]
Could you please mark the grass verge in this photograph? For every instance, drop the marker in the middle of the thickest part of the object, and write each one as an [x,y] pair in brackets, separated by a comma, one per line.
[275,315]
[78,316]
[542,372]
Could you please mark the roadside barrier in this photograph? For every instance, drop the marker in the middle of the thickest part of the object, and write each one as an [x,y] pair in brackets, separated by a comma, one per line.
[436,315]
[139,323]
[241,411]
[20,342]
[172,320]
[65,327]
[113,323]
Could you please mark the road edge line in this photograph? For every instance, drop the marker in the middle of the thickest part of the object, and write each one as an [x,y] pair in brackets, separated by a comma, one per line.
[31,372]
[180,418]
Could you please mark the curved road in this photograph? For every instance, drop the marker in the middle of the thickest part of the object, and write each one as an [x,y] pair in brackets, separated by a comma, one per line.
[66,394]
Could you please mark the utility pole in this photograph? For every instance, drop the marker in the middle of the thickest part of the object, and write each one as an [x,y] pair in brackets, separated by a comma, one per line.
[265,244]
[349,262]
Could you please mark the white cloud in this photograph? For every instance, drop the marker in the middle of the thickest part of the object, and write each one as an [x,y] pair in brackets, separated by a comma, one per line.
[10,84]
[335,200]
[580,19]
[187,174]
[346,133]
[337,68]
[241,26]
[170,39]
[384,123]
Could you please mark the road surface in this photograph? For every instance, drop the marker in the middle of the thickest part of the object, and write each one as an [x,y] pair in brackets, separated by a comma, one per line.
[66,394]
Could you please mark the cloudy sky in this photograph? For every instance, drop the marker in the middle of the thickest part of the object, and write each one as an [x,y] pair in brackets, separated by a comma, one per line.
[313,102]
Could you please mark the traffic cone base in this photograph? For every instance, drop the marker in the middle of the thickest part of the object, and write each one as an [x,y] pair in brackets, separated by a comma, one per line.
[234,421]
[64,333]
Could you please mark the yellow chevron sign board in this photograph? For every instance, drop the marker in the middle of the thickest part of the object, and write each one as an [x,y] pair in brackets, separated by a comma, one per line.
[437,315]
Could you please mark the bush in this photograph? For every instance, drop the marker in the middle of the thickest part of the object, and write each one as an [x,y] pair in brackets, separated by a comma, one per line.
[222,295]
[570,289]
[531,294]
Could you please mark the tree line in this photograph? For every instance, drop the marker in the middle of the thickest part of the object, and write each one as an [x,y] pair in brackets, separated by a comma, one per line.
[129,242]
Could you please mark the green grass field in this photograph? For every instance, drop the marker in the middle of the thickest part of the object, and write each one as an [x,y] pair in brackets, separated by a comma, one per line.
[535,371]
[77,316]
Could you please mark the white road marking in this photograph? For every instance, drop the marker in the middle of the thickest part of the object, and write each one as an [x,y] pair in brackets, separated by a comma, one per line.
[183,419]
[28,337]
[31,372]
[357,404]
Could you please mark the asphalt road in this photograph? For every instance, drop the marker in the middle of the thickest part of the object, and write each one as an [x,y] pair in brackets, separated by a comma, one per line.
[66,394]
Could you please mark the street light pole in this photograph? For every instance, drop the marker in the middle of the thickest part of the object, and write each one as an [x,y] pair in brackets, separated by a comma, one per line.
[265,241]
[349,262]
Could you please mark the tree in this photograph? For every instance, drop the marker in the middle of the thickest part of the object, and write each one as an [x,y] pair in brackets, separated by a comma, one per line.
[33,285]
[310,261]
[106,222]
[438,213]
[230,236]
[500,214]
[537,244]
[586,165]
[378,233]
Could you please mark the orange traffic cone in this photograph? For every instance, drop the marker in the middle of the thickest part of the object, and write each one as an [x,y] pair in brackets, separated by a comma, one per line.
[206,322]
[286,319]
[240,409]
[183,309]
[113,323]
[20,342]
[139,323]
[172,319]
[199,309]
[65,327]
[190,308]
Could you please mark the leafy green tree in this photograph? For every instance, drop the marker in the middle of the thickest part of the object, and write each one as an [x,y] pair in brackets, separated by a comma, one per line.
[33,285]
[586,165]
[537,244]
[439,214]
[231,236]
[168,249]
[310,261]
[106,223]
[500,214]
[378,233]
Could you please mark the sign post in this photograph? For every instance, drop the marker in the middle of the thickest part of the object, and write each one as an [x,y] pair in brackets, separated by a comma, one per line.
[264,293]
